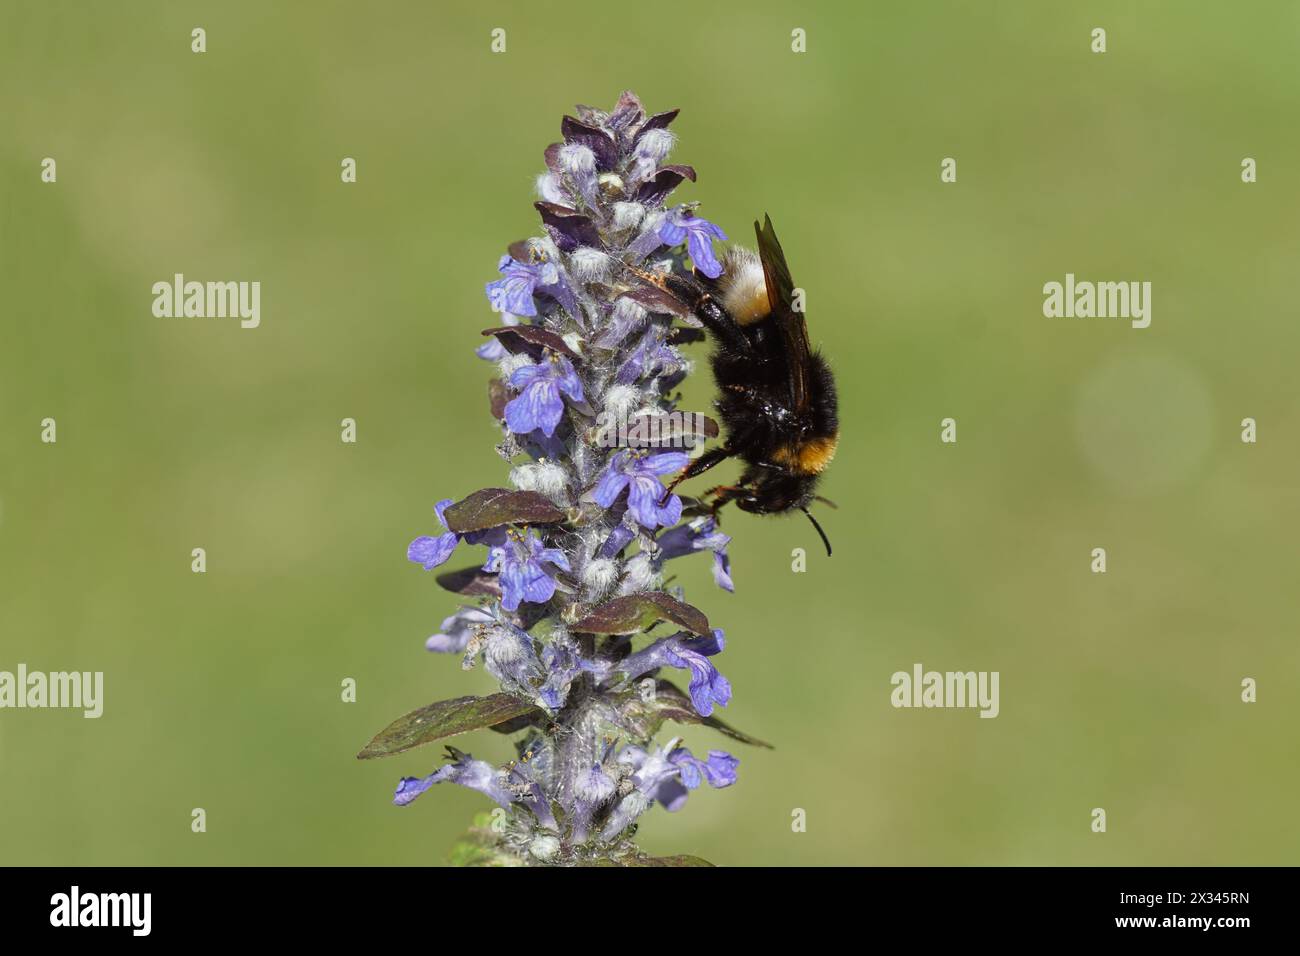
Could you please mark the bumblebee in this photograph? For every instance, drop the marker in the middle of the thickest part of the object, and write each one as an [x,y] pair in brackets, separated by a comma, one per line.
[777,398]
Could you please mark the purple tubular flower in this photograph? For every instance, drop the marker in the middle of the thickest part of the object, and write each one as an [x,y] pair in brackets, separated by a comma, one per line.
[719,770]
[640,474]
[457,629]
[650,150]
[625,315]
[655,776]
[514,292]
[476,774]
[539,404]
[523,577]
[682,224]
[650,358]
[431,552]
[618,540]
[686,652]
[648,241]
[492,350]
[666,776]
[562,663]
[702,534]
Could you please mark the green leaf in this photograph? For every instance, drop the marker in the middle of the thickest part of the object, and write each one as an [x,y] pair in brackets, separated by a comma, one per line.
[644,718]
[493,507]
[446,718]
[635,613]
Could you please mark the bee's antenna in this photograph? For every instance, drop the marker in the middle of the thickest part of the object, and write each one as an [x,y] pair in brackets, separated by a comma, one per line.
[825,540]
[826,501]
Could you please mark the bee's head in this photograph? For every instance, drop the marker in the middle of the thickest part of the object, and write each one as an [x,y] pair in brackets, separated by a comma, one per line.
[777,492]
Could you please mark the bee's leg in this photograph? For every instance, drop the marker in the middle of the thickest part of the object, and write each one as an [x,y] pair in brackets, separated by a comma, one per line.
[723,494]
[699,466]
[697,297]
[721,324]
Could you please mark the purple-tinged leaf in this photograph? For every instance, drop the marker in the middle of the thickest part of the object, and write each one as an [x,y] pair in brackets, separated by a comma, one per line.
[552,157]
[658,300]
[471,582]
[656,190]
[658,121]
[595,139]
[446,718]
[627,113]
[493,507]
[568,227]
[635,613]
[591,115]
[531,718]
[530,340]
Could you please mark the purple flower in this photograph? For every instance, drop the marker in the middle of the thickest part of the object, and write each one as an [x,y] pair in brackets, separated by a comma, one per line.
[719,770]
[686,652]
[539,404]
[651,357]
[640,473]
[682,224]
[618,539]
[476,774]
[666,776]
[514,292]
[650,150]
[702,534]
[520,561]
[562,663]
[625,315]
[655,776]
[457,630]
[492,350]
[432,552]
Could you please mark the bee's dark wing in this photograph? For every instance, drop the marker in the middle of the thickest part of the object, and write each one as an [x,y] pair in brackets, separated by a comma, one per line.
[780,295]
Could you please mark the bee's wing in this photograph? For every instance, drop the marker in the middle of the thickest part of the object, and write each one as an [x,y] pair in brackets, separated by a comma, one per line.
[780,295]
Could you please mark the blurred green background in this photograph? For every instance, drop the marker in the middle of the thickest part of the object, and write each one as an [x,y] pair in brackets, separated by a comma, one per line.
[1119,691]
